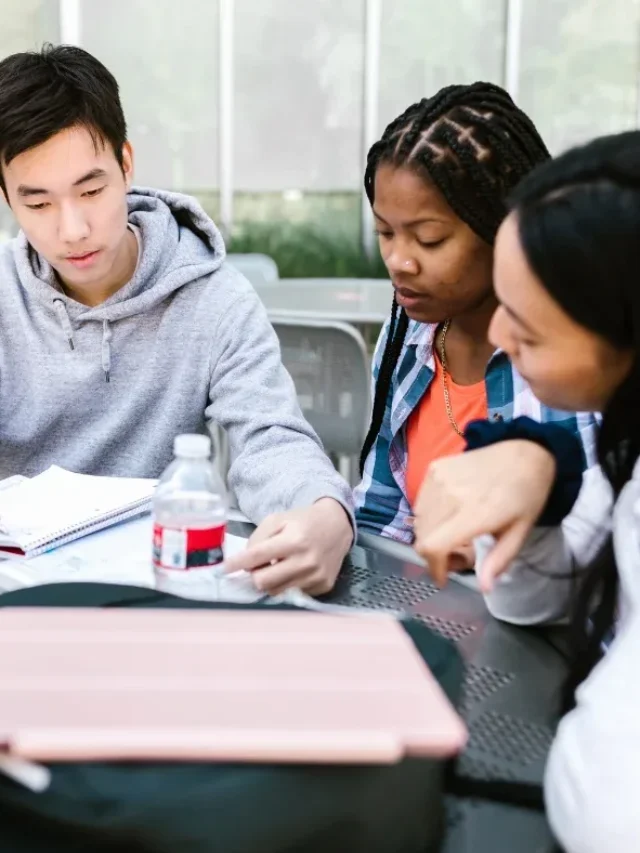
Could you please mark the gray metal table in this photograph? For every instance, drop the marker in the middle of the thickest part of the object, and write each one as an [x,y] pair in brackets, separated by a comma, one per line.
[359,301]
[511,691]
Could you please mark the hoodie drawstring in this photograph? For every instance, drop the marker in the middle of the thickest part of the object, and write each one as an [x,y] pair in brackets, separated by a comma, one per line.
[65,322]
[106,350]
[107,334]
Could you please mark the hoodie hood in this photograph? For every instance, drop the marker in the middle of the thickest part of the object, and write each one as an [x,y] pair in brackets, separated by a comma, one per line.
[178,244]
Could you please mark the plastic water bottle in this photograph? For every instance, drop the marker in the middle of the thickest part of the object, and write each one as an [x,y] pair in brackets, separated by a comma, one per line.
[189,522]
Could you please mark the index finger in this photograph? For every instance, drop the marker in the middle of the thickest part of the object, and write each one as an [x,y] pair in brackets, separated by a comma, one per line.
[259,554]
[438,544]
[271,526]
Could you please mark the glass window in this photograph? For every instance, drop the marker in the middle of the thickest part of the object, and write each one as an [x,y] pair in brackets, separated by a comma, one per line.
[24,25]
[298,94]
[427,44]
[579,68]
[164,56]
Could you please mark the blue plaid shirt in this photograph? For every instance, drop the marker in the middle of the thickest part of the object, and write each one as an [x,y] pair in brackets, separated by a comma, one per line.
[382,505]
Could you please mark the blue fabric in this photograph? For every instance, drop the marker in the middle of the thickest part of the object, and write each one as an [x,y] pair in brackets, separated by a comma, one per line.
[564,446]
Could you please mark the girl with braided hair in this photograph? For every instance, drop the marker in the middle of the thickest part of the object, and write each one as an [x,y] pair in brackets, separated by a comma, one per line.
[567,267]
[437,181]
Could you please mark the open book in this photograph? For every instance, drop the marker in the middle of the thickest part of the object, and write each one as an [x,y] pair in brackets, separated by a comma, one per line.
[58,506]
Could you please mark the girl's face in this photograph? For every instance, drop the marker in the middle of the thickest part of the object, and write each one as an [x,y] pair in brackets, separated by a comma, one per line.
[567,366]
[439,267]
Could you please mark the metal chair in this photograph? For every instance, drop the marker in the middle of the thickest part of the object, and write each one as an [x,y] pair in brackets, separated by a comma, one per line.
[330,368]
[259,269]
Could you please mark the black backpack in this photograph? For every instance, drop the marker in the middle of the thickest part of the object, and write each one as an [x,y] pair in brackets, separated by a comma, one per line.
[227,808]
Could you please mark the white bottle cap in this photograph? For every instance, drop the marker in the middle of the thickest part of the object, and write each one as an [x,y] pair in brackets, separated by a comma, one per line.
[192,446]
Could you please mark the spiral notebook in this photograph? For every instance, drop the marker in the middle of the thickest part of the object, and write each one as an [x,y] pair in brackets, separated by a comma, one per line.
[58,506]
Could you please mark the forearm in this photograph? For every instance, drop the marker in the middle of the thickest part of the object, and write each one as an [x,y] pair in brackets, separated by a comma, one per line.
[277,461]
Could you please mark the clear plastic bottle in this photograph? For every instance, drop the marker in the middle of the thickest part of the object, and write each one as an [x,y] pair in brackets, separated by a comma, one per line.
[189,522]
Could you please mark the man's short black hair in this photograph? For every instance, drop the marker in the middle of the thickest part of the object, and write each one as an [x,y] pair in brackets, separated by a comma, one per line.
[45,92]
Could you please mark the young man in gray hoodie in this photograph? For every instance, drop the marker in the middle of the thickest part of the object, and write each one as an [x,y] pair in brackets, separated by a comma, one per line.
[121,326]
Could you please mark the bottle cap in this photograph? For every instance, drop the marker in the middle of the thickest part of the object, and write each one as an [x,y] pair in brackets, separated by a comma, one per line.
[192,446]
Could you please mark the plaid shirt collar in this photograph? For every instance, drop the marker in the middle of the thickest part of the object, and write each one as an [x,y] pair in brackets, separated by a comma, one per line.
[416,368]
[381,500]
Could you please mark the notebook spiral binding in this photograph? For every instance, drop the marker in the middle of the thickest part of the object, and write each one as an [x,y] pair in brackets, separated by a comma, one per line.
[92,525]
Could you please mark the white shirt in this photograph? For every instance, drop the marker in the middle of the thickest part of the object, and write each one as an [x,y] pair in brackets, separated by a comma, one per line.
[592,779]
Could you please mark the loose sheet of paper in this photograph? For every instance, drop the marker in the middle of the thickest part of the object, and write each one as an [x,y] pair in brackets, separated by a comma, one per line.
[120,554]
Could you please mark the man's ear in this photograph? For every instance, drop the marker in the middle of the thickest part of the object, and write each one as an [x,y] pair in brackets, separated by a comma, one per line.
[127,164]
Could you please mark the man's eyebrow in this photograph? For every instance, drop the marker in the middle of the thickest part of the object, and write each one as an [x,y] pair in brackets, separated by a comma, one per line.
[90,176]
[25,191]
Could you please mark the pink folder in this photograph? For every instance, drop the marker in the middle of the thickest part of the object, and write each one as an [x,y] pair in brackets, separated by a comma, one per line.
[275,686]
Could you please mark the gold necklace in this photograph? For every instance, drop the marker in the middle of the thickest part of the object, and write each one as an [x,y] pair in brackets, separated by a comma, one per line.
[445,387]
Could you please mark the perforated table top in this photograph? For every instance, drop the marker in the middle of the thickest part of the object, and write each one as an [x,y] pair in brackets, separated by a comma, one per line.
[510,696]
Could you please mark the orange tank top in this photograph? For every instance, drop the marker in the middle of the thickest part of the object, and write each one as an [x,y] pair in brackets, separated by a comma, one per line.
[430,435]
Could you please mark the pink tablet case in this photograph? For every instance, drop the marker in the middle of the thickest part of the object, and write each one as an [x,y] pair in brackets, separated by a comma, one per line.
[92,684]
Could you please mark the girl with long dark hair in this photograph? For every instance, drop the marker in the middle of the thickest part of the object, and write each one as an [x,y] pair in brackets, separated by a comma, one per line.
[567,274]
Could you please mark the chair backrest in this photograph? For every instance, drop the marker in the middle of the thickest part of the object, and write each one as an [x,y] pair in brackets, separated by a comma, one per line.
[330,368]
[259,269]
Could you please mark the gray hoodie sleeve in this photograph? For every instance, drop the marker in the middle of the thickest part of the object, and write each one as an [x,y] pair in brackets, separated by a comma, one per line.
[277,461]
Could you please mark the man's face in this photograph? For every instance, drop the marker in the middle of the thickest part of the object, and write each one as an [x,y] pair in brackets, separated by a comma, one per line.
[69,197]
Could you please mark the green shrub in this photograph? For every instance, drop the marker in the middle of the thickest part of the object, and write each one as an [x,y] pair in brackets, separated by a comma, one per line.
[305,251]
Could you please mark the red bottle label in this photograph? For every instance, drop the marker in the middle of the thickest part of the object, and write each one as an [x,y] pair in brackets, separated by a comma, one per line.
[182,550]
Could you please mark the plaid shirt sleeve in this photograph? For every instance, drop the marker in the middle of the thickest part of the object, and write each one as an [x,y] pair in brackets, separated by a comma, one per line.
[381,506]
